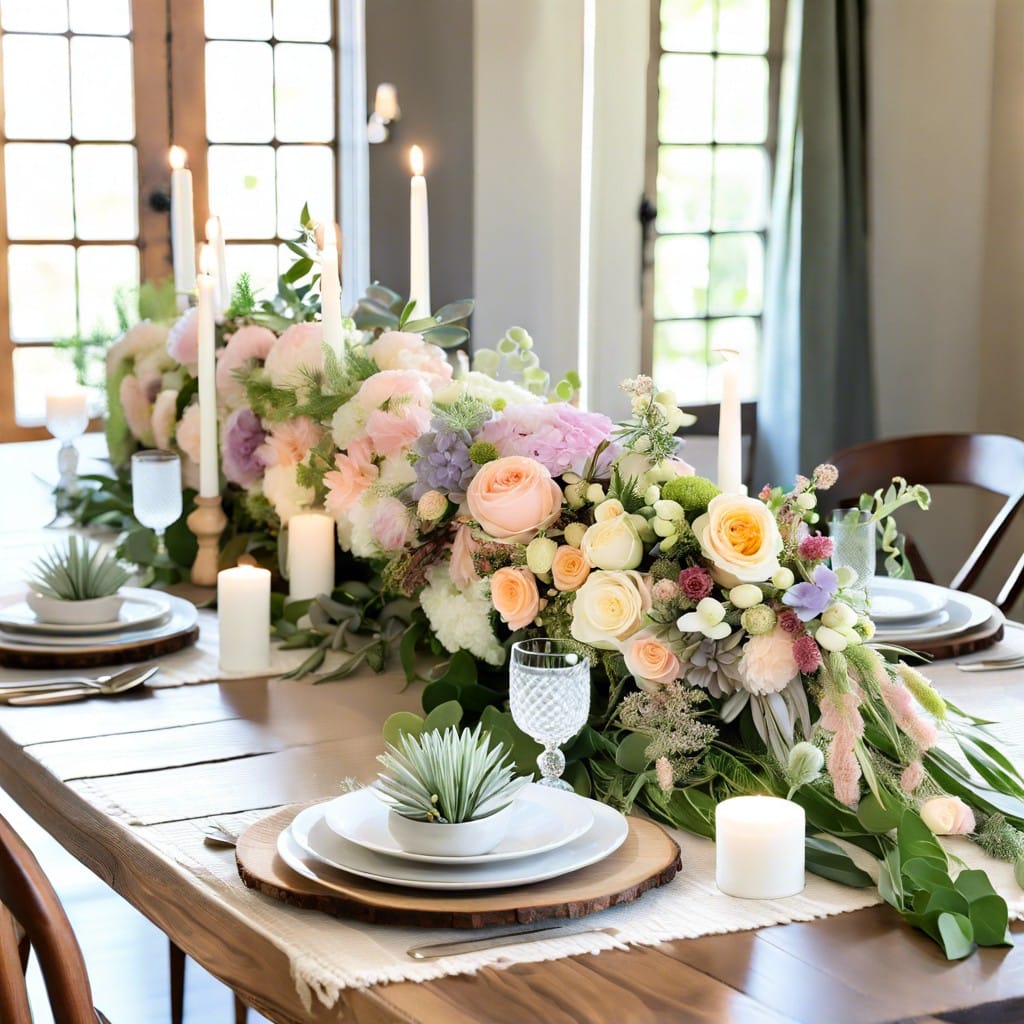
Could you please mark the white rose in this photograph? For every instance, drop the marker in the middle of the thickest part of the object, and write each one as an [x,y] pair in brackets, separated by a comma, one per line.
[613,544]
[948,816]
[282,490]
[608,509]
[609,608]
[741,539]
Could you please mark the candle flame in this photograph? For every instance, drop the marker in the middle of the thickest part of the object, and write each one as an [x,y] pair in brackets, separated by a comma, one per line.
[206,263]
[416,160]
[213,231]
[177,158]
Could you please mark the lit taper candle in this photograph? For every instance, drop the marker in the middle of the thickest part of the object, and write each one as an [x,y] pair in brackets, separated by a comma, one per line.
[419,238]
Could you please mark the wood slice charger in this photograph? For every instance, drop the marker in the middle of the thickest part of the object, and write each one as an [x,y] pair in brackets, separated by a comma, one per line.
[649,857]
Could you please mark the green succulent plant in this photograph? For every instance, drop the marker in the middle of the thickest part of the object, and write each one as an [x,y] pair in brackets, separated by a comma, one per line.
[78,572]
[448,777]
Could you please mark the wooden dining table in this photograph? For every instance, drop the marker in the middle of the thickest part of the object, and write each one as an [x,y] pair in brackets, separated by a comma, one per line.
[99,776]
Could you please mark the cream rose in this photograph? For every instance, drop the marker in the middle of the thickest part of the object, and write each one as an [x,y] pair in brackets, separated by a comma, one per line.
[569,569]
[650,661]
[514,596]
[948,816]
[612,544]
[609,608]
[740,538]
[513,498]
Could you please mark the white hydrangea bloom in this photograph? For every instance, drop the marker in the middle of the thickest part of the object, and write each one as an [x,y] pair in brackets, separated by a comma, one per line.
[461,618]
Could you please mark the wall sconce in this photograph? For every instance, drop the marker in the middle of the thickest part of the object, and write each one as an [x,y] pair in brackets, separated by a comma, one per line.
[385,110]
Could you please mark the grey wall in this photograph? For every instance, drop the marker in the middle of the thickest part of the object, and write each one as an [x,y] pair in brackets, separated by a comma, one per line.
[426,48]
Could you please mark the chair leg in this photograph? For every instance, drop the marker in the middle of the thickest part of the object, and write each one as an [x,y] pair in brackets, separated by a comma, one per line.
[177,965]
[241,1011]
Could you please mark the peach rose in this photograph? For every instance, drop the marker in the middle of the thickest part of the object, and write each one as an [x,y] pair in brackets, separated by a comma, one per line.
[609,608]
[650,661]
[569,569]
[514,498]
[948,816]
[740,537]
[514,596]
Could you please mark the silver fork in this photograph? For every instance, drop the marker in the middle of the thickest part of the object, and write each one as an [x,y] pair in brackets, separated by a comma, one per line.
[121,683]
[992,664]
[68,682]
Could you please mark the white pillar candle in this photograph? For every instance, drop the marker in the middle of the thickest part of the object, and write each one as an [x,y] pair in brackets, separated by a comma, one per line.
[183,232]
[209,473]
[330,291]
[419,238]
[67,413]
[730,428]
[759,847]
[243,614]
[310,555]
[215,240]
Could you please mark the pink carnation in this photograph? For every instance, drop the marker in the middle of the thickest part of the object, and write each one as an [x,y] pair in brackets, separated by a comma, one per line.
[768,664]
[187,434]
[395,431]
[696,583]
[558,435]
[289,441]
[790,621]
[247,343]
[183,339]
[354,473]
[815,548]
[807,654]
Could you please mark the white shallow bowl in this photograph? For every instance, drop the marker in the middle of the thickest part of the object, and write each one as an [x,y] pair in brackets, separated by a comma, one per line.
[74,613]
[462,839]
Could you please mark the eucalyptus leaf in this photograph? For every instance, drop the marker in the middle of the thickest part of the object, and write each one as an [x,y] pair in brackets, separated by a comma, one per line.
[443,716]
[402,722]
[828,860]
[957,935]
[632,752]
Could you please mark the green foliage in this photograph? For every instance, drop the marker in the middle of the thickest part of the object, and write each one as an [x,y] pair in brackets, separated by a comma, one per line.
[243,299]
[881,505]
[79,571]
[694,493]
[382,309]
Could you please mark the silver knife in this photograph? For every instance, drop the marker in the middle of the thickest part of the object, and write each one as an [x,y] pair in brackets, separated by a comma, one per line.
[51,697]
[550,931]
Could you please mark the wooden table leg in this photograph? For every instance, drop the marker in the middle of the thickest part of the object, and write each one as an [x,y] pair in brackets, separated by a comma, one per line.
[177,971]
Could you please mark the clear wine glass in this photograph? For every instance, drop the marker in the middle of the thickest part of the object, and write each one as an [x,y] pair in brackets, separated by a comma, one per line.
[156,493]
[549,693]
[67,417]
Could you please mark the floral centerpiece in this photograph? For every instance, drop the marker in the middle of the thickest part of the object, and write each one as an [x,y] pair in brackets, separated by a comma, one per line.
[483,506]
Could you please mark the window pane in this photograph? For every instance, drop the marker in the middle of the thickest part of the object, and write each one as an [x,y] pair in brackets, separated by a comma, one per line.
[304,174]
[741,99]
[38,190]
[306,20]
[684,99]
[239,92]
[743,26]
[101,88]
[304,92]
[741,189]
[686,25]
[680,276]
[34,15]
[41,291]
[684,188]
[742,335]
[101,17]
[737,274]
[259,262]
[102,270]
[242,190]
[105,192]
[680,359]
[36,91]
[38,369]
[238,19]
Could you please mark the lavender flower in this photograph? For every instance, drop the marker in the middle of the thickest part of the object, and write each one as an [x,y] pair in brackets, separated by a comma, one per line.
[809,600]
[444,464]
[243,436]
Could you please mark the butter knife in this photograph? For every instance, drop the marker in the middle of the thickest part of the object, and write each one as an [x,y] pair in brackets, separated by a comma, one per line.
[550,931]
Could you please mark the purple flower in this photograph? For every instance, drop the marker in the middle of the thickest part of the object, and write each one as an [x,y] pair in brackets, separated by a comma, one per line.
[242,435]
[558,435]
[811,599]
[444,464]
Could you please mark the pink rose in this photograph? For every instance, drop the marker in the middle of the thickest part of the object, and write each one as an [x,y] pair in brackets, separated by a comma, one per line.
[392,525]
[461,568]
[514,596]
[649,660]
[249,342]
[394,389]
[948,816]
[514,498]
[289,442]
[404,350]
[188,432]
[353,474]
[183,339]
[393,432]
[164,411]
[299,348]
[138,411]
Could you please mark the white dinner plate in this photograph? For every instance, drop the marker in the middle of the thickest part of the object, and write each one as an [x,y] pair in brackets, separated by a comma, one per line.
[896,601]
[181,615]
[310,847]
[542,819]
[965,611]
[141,608]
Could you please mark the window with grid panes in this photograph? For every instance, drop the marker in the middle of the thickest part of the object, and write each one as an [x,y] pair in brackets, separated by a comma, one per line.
[715,122]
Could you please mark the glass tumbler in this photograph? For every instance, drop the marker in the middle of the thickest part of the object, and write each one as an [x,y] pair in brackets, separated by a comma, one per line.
[853,544]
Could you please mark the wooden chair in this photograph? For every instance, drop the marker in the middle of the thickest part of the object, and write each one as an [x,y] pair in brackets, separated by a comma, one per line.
[31,916]
[991,462]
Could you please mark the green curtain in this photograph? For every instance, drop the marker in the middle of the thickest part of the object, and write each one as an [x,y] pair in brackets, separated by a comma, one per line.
[816,394]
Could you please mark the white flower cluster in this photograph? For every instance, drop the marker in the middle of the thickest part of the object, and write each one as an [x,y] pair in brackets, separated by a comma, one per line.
[461,618]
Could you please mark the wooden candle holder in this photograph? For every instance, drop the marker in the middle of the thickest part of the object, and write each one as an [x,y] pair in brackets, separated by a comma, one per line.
[207,522]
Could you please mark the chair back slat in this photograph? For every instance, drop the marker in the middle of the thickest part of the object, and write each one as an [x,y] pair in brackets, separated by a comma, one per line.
[29,898]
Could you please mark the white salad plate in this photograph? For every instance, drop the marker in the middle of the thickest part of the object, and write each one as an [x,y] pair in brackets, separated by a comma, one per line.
[179,615]
[310,847]
[542,819]
[897,601]
[141,609]
[962,613]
